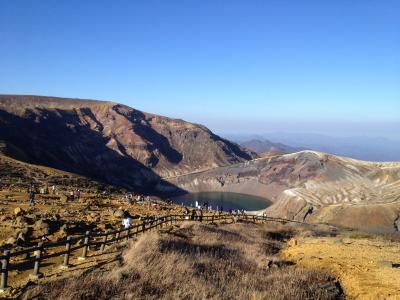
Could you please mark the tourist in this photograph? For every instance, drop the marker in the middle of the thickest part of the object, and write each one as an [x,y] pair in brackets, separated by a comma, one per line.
[78,194]
[71,196]
[32,198]
[186,213]
[129,198]
[200,214]
[127,220]
[194,215]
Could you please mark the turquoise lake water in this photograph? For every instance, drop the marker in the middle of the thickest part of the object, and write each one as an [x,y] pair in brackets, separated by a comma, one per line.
[225,200]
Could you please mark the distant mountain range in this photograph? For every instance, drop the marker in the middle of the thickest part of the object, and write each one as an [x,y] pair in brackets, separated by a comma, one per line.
[358,147]
[263,146]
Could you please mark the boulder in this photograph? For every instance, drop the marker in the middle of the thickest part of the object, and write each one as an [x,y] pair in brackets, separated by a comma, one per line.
[21,221]
[11,241]
[42,226]
[32,217]
[18,211]
[118,213]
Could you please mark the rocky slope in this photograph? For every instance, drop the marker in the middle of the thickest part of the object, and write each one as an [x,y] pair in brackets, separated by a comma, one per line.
[109,141]
[339,190]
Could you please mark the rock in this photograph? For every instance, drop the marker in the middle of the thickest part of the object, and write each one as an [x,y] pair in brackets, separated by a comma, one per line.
[11,241]
[33,217]
[22,236]
[21,221]
[118,213]
[42,226]
[18,211]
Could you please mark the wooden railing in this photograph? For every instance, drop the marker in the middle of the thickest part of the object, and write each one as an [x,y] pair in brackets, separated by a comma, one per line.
[36,255]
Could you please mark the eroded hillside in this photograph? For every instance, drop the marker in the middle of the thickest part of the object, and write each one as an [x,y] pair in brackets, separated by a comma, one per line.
[109,141]
[339,190]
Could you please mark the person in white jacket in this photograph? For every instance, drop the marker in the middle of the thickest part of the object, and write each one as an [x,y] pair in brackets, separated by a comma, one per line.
[127,220]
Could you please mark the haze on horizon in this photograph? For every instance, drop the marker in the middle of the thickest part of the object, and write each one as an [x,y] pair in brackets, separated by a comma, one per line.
[245,67]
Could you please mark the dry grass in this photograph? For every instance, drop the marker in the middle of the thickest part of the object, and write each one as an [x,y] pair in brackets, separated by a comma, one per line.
[199,261]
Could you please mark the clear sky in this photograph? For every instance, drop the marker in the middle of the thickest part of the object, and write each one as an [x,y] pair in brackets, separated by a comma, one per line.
[236,66]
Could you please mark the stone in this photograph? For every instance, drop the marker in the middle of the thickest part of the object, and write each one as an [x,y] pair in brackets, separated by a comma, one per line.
[33,217]
[11,241]
[41,224]
[18,211]
[20,221]
[118,213]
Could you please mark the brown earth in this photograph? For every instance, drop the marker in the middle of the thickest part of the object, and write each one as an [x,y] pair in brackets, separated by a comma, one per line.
[198,261]
[368,267]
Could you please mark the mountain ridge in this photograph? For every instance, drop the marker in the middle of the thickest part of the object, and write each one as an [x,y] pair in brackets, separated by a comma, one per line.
[111,141]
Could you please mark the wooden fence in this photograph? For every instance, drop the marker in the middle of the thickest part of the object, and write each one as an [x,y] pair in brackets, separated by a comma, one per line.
[35,256]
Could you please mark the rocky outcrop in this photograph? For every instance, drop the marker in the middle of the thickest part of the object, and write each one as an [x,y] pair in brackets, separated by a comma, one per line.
[108,141]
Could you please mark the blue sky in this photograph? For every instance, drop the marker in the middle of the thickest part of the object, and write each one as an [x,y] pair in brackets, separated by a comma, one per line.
[330,67]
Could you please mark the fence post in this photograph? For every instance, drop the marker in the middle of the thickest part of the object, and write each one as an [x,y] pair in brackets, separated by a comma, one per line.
[137,230]
[36,268]
[103,245]
[143,226]
[67,253]
[4,271]
[85,246]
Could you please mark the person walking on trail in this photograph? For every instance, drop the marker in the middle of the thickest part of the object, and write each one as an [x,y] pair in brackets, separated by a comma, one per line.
[186,213]
[200,215]
[194,215]
[71,196]
[127,220]
[31,198]
[78,194]
[129,198]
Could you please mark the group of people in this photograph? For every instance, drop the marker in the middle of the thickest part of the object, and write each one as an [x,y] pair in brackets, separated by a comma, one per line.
[33,190]
[138,198]
[74,195]
[194,214]
[141,199]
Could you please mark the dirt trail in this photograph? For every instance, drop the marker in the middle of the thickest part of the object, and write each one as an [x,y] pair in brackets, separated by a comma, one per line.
[362,264]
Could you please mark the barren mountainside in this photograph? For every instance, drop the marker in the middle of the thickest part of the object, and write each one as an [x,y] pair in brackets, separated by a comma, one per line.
[340,190]
[109,141]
